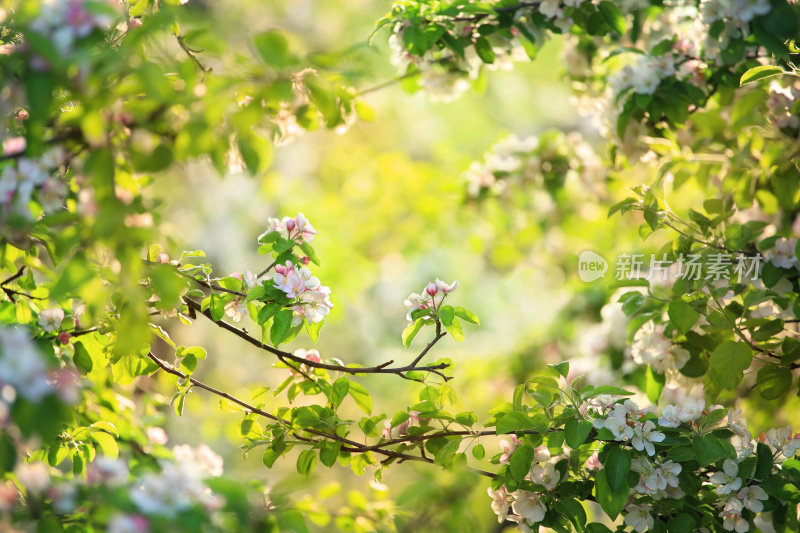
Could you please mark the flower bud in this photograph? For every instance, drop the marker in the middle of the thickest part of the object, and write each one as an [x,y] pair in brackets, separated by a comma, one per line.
[64,338]
[431,289]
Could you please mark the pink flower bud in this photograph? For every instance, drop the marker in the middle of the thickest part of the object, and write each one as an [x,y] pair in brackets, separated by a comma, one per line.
[163,258]
[291,224]
[134,23]
[64,338]
[431,289]
[21,115]
[305,260]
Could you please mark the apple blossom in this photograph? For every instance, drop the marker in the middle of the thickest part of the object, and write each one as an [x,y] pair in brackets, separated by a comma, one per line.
[50,319]
[508,447]
[298,229]
[727,481]
[644,437]
[128,523]
[593,462]
[545,475]
[500,501]
[651,347]
[781,440]
[732,519]
[638,517]
[752,497]
[528,507]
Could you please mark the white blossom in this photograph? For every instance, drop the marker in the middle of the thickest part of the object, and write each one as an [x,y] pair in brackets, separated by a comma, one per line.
[638,517]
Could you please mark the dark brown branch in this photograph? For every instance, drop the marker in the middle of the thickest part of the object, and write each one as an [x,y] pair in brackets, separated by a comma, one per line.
[380,369]
[436,338]
[191,53]
[13,277]
[348,444]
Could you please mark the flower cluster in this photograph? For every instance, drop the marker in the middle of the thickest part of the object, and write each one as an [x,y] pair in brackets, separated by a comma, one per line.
[64,22]
[22,366]
[651,347]
[543,160]
[625,422]
[780,105]
[178,486]
[427,299]
[783,254]
[308,355]
[445,77]
[312,299]
[390,432]
[298,229]
[22,178]
[527,507]
[237,308]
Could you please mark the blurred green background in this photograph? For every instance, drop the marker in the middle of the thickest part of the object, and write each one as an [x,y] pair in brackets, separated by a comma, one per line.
[387,198]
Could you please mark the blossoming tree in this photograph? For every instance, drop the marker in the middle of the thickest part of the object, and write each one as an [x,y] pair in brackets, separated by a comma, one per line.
[694,104]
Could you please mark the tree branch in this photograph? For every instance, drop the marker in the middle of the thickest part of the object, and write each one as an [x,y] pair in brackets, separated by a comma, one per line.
[348,444]
[383,368]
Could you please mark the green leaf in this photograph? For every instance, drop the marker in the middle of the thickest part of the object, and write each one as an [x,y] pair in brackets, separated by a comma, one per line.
[609,389]
[305,417]
[339,390]
[520,462]
[681,523]
[217,307]
[411,331]
[454,329]
[360,396]
[515,421]
[768,330]
[573,511]
[273,49]
[107,443]
[773,381]
[446,452]
[611,501]
[560,369]
[759,73]
[272,453]
[329,452]
[313,330]
[447,314]
[266,312]
[576,431]
[256,153]
[281,324]
[478,452]
[617,465]
[613,16]
[467,315]
[728,362]
[306,462]
[708,449]
[654,384]
[484,49]
[81,358]
[682,316]
[763,461]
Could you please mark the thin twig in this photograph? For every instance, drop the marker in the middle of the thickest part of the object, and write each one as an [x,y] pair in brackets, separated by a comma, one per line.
[380,369]
[436,338]
[348,444]
[191,53]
